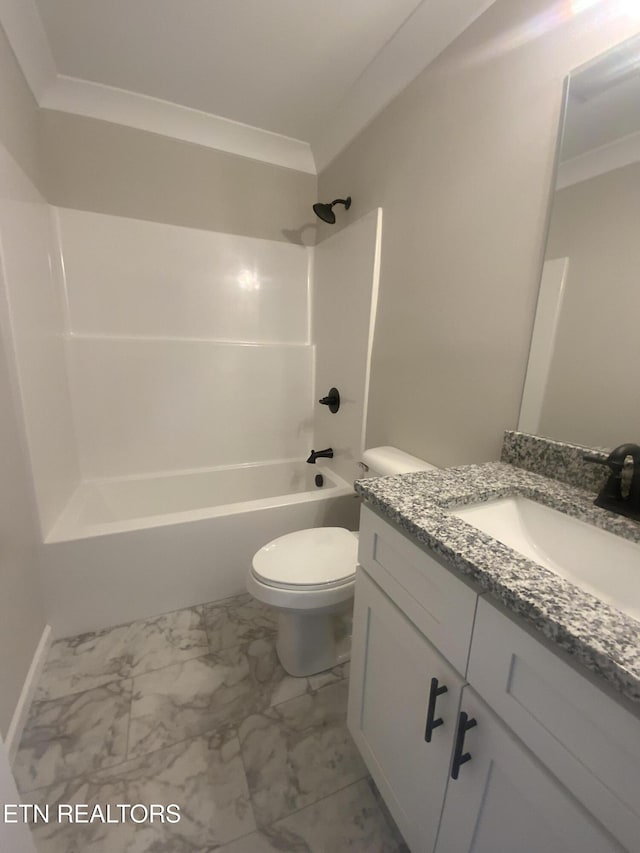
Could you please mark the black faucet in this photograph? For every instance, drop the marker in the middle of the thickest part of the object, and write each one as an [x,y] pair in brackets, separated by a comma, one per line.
[320,454]
[620,494]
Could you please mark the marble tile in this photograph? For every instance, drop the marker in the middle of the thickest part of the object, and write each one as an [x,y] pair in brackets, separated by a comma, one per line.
[190,698]
[90,660]
[238,620]
[274,684]
[349,820]
[329,676]
[74,735]
[221,689]
[298,752]
[204,776]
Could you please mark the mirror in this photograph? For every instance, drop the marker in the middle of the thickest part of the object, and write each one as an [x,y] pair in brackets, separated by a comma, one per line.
[583,383]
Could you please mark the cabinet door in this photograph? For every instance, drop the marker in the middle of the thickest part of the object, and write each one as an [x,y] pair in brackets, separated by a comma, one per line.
[392,668]
[504,801]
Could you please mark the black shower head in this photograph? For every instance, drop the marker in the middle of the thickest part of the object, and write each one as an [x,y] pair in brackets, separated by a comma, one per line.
[325,211]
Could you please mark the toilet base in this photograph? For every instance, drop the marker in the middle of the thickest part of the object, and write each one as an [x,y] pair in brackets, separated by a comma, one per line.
[309,643]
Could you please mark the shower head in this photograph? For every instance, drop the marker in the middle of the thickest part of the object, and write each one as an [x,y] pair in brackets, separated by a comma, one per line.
[325,211]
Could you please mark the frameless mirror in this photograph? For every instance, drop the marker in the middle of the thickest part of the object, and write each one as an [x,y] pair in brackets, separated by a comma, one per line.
[583,383]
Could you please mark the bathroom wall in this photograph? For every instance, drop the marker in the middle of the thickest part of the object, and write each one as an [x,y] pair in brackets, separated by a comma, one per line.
[461,163]
[18,113]
[345,295]
[108,168]
[187,348]
[22,619]
[595,224]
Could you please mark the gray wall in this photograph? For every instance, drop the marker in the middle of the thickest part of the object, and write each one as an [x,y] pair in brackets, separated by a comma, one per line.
[593,396]
[461,163]
[18,113]
[108,168]
[21,610]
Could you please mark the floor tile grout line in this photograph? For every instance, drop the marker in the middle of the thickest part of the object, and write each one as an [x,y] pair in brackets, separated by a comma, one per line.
[366,775]
[206,653]
[263,829]
[233,726]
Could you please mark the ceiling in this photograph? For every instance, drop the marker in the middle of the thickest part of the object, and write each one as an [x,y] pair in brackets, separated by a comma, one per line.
[281,65]
[289,82]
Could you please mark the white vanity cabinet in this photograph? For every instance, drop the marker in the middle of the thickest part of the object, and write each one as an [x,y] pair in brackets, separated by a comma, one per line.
[403,705]
[538,774]
[504,801]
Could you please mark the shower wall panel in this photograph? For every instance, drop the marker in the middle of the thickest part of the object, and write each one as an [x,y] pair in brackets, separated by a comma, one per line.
[32,319]
[187,348]
[344,307]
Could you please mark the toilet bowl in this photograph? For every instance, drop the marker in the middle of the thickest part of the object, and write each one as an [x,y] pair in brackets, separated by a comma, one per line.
[309,577]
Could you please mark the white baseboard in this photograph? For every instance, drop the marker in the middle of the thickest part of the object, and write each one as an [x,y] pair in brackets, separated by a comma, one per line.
[19,719]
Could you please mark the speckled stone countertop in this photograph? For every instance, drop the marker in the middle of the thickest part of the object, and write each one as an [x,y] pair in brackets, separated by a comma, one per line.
[599,637]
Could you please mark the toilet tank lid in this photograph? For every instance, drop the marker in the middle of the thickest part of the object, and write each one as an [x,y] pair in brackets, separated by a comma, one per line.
[391,460]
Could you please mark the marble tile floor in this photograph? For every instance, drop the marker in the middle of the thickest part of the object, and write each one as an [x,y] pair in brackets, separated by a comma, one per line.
[193,708]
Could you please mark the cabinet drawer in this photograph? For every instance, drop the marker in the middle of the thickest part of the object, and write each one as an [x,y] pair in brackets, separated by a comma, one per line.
[439,604]
[585,738]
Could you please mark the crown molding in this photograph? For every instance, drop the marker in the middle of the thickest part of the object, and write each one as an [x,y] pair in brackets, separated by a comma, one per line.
[417,42]
[421,38]
[596,162]
[23,27]
[94,100]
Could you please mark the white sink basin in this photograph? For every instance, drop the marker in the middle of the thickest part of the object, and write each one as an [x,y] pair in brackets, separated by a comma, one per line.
[599,562]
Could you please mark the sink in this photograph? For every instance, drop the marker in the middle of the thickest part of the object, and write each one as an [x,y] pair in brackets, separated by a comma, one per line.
[597,561]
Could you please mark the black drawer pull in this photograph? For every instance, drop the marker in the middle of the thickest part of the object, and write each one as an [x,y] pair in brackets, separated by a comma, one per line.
[459,756]
[432,722]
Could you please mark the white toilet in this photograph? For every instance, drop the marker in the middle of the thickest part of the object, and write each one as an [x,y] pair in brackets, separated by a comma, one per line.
[309,577]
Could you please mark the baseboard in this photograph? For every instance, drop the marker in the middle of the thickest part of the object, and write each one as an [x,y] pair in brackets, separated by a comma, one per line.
[19,719]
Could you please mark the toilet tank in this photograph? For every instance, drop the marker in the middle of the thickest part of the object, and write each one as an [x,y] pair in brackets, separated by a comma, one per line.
[383,461]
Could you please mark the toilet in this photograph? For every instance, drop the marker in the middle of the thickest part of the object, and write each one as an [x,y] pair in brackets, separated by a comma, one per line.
[309,576]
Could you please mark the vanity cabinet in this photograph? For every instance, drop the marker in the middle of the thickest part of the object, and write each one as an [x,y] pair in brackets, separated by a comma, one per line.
[403,705]
[539,771]
[504,801]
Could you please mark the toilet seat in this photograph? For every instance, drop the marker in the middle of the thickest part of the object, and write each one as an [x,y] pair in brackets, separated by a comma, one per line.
[319,558]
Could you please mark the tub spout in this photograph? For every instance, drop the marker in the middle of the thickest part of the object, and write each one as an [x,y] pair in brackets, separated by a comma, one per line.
[320,454]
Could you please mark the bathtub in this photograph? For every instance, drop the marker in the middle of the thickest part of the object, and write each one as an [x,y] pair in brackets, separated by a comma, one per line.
[133,547]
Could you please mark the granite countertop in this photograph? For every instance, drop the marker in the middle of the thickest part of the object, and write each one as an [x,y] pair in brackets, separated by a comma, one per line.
[598,636]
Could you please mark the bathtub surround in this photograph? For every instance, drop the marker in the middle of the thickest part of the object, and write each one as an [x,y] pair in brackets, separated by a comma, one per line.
[35,332]
[258,761]
[188,349]
[194,367]
[345,300]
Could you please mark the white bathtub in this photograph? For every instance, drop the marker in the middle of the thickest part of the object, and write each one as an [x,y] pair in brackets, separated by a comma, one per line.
[134,547]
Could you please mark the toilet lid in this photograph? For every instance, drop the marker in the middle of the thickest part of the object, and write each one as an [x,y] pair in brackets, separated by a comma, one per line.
[315,557]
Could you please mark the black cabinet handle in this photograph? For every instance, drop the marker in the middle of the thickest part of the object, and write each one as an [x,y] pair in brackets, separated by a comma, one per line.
[432,722]
[459,756]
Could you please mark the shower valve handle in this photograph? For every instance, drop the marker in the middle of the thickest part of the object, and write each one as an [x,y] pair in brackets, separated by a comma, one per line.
[332,400]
